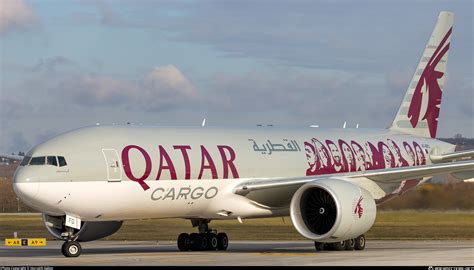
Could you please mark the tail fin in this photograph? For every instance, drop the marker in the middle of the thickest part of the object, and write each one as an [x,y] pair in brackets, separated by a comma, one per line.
[419,111]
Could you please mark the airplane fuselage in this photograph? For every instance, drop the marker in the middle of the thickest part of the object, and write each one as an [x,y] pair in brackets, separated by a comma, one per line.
[128,172]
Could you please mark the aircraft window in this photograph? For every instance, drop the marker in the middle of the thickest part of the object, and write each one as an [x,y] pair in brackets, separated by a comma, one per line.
[51,160]
[62,161]
[37,161]
[25,161]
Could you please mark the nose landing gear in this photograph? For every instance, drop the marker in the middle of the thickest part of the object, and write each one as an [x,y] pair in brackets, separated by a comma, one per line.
[71,249]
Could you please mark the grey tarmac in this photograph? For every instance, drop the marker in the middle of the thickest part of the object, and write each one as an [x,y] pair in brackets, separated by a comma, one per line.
[377,252]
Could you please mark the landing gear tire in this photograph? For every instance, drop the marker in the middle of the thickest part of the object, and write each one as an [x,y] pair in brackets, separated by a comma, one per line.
[193,238]
[184,242]
[222,241]
[71,249]
[360,242]
[205,240]
[350,244]
[319,246]
[213,242]
[338,246]
[201,242]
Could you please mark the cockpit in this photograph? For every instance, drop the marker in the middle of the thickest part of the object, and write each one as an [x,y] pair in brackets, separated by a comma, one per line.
[57,161]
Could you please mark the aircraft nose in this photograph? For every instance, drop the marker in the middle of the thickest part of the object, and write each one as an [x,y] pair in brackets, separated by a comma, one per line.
[25,184]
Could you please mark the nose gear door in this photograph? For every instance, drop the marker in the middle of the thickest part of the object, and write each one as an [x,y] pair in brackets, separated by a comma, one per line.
[113,165]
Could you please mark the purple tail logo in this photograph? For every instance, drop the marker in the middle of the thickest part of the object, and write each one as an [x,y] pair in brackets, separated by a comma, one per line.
[428,85]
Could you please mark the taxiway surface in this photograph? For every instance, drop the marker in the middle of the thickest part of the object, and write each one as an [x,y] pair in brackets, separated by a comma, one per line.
[426,253]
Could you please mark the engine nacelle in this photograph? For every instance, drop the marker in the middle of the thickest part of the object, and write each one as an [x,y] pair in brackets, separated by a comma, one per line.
[332,210]
[89,231]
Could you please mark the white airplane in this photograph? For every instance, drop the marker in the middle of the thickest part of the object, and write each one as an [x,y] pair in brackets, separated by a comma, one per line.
[88,181]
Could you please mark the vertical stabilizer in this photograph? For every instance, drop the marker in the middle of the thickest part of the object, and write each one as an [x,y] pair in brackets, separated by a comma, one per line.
[419,111]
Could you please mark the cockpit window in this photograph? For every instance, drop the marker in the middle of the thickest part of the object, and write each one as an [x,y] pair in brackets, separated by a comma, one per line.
[37,161]
[51,160]
[62,161]
[25,161]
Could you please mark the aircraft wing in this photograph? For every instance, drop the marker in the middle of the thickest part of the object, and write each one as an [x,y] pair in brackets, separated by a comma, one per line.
[452,156]
[392,175]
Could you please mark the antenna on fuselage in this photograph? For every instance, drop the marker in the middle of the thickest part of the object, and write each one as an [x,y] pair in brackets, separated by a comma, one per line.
[203,122]
[345,123]
[357,126]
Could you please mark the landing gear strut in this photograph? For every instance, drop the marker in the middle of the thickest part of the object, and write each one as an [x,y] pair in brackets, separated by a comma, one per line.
[70,248]
[357,243]
[206,239]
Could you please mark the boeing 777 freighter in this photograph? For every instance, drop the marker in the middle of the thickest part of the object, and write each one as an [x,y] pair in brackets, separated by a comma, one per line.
[88,181]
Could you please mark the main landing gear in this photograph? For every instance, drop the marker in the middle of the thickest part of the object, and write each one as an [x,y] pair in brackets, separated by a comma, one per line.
[357,243]
[206,239]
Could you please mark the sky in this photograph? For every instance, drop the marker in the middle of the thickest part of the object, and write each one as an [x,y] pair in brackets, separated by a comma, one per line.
[69,64]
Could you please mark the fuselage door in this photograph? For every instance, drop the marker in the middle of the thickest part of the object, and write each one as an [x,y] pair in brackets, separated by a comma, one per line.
[114,172]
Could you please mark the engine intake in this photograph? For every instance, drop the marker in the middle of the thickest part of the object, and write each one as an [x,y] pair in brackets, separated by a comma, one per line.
[331,210]
[319,210]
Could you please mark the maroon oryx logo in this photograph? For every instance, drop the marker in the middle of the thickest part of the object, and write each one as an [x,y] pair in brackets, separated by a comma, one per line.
[358,208]
[428,85]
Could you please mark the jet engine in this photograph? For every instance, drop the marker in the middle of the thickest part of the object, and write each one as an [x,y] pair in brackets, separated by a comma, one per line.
[332,210]
[89,230]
